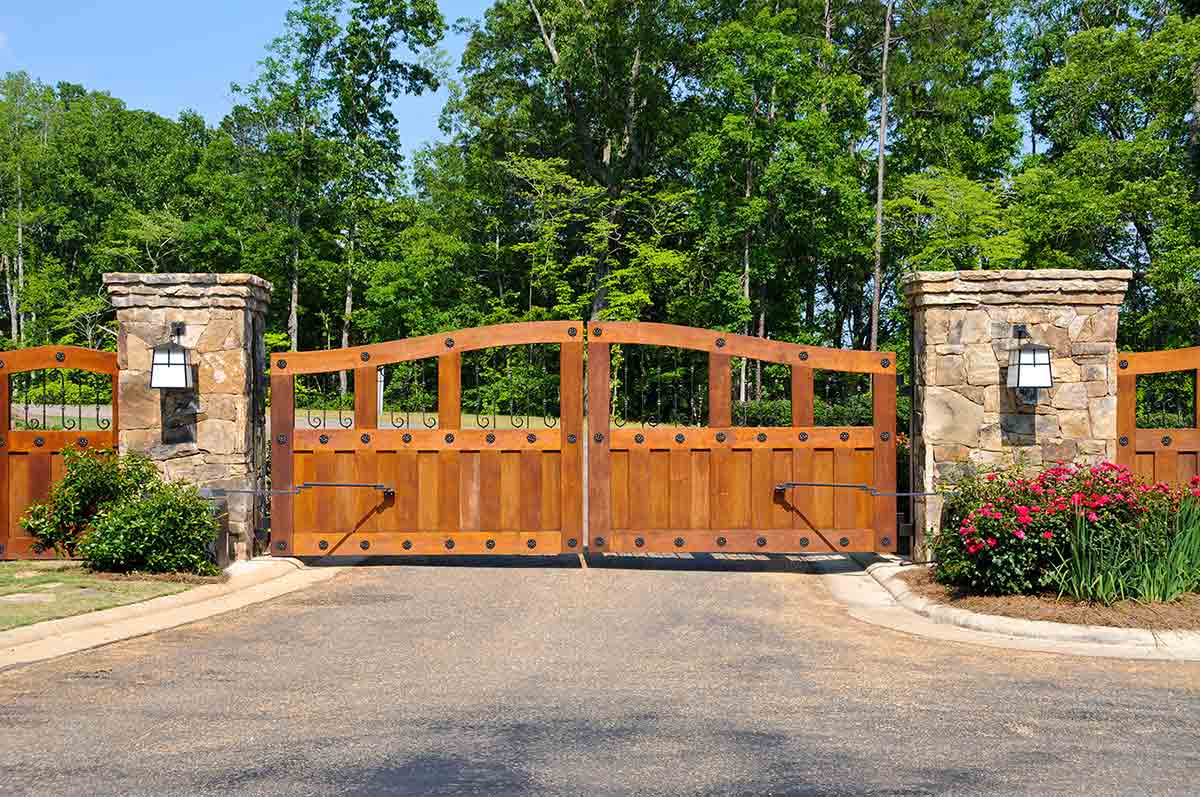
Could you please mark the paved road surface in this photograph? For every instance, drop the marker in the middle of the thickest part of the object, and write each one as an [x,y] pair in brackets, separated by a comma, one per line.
[553,680]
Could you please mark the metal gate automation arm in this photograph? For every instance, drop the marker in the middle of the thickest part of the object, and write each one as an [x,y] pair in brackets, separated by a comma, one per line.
[216,492]
[866,488]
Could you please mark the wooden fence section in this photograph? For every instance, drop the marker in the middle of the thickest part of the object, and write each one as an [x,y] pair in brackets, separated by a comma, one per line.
[688,489]
[456,491]
[1167,455]
[30,459]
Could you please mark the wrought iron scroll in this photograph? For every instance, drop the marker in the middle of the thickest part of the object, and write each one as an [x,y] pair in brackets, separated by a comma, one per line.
[1167,400]
[658,386]
[512,386]
[410,388]
[66,399]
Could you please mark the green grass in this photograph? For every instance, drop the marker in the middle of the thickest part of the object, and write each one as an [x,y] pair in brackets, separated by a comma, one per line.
[74,591]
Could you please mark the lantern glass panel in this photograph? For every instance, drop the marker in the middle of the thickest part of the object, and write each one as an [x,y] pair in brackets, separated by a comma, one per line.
[170,367]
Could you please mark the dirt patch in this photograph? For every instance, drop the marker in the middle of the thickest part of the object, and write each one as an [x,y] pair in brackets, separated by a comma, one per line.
[174,578]
[1183,614]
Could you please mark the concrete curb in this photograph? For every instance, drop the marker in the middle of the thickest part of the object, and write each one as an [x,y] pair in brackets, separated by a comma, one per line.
[887,574]
[249,582]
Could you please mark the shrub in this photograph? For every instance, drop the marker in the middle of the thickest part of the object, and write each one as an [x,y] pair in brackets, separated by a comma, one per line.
[90,481]
[1094,532]
[166,530]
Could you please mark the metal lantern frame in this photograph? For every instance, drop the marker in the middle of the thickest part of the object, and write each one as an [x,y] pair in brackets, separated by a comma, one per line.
[1030,366]
[171,365]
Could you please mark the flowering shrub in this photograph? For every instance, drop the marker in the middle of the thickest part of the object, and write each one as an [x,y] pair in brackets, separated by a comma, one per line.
[1004,533]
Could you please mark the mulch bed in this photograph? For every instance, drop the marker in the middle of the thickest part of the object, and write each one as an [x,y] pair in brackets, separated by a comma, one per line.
[1183,614]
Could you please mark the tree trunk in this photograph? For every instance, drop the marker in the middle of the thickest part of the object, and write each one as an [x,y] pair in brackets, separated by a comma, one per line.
[746,271]
[762,333]
[883,116]
[828,41]
[20,334]
[294,306]
[8,294]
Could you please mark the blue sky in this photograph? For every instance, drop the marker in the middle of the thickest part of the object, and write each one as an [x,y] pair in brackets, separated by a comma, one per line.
[170,55]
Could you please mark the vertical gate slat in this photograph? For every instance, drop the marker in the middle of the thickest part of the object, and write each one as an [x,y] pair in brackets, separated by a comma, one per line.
[531,491]
[510,490]
[762,493]
[449,503]
[701,490]
[680,481]
[450,390]
[489,491]
[720,391]
[570,403]
[1166,465]
[1126,419]
[802,396]
[283,430]
[552,509]
[599,506]
[802,497]
[366,470]
[883,401]
[619,489]
[366,397]
[5,512]
[660,489]
[468,490]
[428,494]
[639,489]
[844,500]
[781,471]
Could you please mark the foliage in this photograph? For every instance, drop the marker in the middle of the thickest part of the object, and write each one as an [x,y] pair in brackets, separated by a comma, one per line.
[1095,533]
[91,481]
[167,529]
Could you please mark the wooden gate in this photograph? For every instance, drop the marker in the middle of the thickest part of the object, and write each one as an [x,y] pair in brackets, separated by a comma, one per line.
[376,480]
[687,488]
[355,478]
[1168,452]
[51,398]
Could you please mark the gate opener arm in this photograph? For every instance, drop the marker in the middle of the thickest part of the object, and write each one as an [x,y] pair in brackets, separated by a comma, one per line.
[215,492]
[866,488]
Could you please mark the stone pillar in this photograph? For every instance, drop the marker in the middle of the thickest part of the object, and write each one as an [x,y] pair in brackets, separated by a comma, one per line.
[212,436]
[962,412]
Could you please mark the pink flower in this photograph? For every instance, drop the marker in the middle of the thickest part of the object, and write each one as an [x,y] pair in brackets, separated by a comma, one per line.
[1047,535]
[1020,535]
[991,477]
[991,541]
[1092,517]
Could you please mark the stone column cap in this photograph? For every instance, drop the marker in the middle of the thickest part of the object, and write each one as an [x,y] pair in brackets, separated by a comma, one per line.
[1053,286]
[187,290]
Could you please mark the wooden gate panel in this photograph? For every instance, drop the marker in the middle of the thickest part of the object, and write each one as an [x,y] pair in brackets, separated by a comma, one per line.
[456,491]
[681,489]
[30,446]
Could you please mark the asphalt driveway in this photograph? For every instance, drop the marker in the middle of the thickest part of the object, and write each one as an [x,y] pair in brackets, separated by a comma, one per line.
[743,679]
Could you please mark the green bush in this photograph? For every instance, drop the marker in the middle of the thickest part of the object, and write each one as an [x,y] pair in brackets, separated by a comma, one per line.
[90,481]
[166,530]
[116,514]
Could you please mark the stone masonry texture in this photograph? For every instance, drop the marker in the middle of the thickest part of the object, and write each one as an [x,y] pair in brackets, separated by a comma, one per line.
[962,335]
[224,317]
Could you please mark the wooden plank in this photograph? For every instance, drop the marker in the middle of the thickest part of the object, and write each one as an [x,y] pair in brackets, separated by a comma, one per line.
[38,357]
[770,437]
[368,503]
[701,490]
[619,470]
[424,543]
[283,428]
[430,439]
[326,499]
[640,489]
[468,490]
[450,390]
[428,495]
[884,476]
[733,491]
[1143,465]
[531,490]
[1166,465]
[679,479]
[1181,439]
[570,390]
[551,480]
[489,490]
[1126,418]
[720,391]
[726,343]
[366,397]
[762,493]
[800,500]
[824,468]
[802,396]
[396,351]
[1160,362]
[844,501]
[1196,398]
[599,473]
[1189,466]
[407,481]
[21,441]
[773,541]
[449,503]
[781,471]
[660,490]
[510,490]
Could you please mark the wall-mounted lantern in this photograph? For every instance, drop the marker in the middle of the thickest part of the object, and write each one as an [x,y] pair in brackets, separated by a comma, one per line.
[1028,366]
[170,363]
